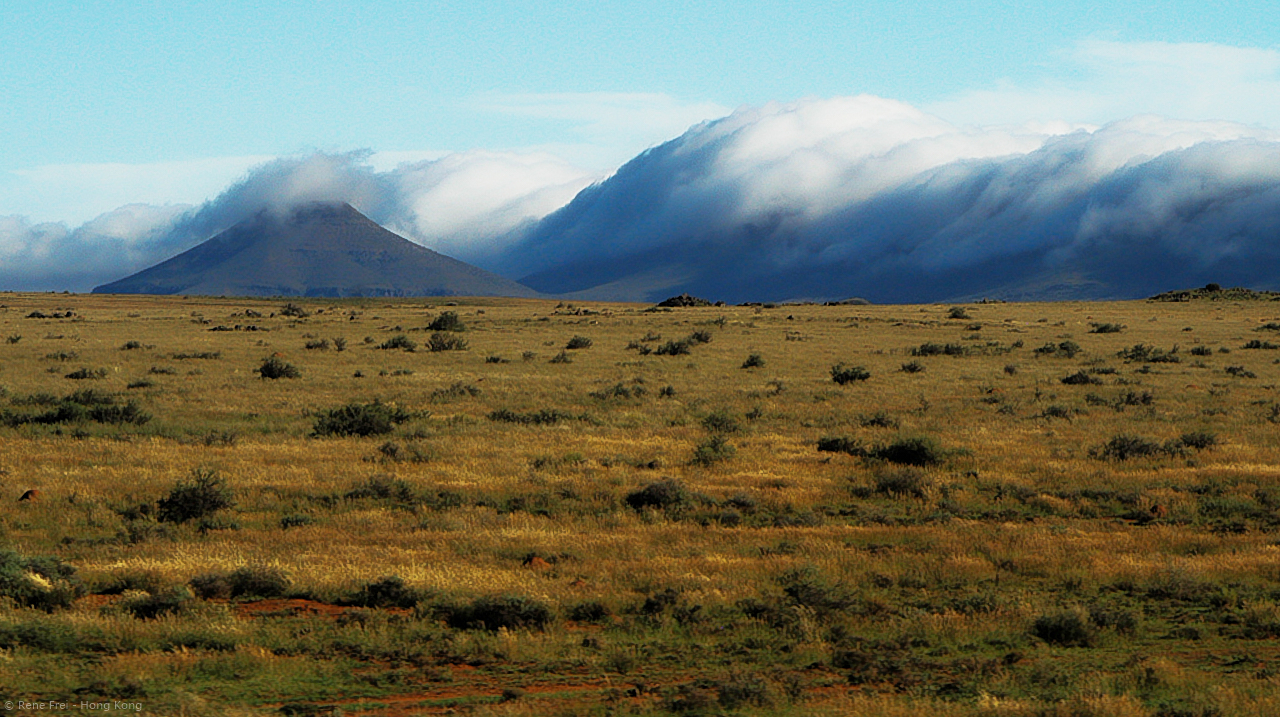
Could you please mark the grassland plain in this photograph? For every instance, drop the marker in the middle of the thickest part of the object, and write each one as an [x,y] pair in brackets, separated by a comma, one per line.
[990,509]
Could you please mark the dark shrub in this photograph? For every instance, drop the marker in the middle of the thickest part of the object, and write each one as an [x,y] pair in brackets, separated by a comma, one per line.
[912,367]
[131,345]
[842,444]
[293,310]
[753,361]
[1201,351]
[673,348]
[205,494]
[912,450]
[713,450]
[591,611]
[1066,349]
[661,495]
[494,613]
[699,337]
[1198,440]
[562,357]
[1124,447]
[1240,372]
[211,586]
[1149,354]
[1105,328]
[163,602]
[879,419]
[83,373]
[55,584]
[382,487]
[389,591]
[447,321]
[842,374]
[295,520]
[128,413]
[958,312]
[1067,628]
[1256,344]
[1080,378]
[399,341]
[544,417]
[578,342]
[258,581]
[355,419]
[441,341]
[274,367]
[904,483]
[317,345]
[456,390]
[721,422]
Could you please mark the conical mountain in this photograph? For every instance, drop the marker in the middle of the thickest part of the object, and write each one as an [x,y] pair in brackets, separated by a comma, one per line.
[318,249]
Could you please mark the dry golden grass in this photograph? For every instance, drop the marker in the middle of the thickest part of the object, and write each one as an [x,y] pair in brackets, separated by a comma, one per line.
[1019,515]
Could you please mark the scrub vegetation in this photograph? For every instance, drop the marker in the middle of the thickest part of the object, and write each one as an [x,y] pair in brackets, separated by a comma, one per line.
[984,510]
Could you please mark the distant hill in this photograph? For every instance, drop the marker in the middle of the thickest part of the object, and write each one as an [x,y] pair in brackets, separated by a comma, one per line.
[319,249]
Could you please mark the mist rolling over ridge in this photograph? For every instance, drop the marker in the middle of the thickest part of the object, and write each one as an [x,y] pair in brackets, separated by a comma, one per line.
[815,199]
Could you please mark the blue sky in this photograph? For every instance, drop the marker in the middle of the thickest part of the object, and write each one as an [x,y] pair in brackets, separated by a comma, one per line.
[111,103]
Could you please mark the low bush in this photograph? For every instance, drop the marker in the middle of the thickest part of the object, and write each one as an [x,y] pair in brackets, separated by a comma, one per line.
[721,422]
[1142,353]
[1125,447]
[399,341]
[713,450]
[578,342]
[912,367]
[753,361]
[447,321]
[543,417]
[1065,628]
[842,374]
[661,495]
[1080,378]
[510,612]
[44,583]
[1065,349]
[1105,328]
[250,581]
[359,419]
[205,494]
[87,373]
[275,367]
[389,591]
[441,341]
[904,483]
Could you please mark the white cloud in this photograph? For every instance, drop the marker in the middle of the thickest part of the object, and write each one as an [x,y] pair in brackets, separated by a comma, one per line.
[607,128]
[75,193]
[1099,81]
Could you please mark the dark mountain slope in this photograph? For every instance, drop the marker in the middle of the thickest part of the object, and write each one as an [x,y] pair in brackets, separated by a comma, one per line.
[313,250]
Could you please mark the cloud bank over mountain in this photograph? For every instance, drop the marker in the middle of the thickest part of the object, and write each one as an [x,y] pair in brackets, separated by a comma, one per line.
[871,197]
[463,205]
[820,198]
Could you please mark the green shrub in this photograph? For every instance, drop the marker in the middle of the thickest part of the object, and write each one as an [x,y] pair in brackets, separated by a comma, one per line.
[84,373]
[357,419]
[673,348]
[958,312]
[317,345]
[275,367]
[1142,353]
[511,612]
[399,341]
[911,450]
[389,591]
[447,321]
[1080,378]
[1124,447]
[382,487]
[661,495]
[162,602]
[1065,628]
[293,310]
[44,583]
[912,367]
[904,483]
[1198,440]
[543,417]
[590,611]
[131,345]
[721,422]
[205,494]
[842,374]
[1105,328]
[441,341]
[258,581]
[713,450]
[578,342]
[1066,349]
[753,361]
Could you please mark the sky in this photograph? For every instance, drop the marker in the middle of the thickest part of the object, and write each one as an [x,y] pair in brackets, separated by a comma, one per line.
[105,105]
